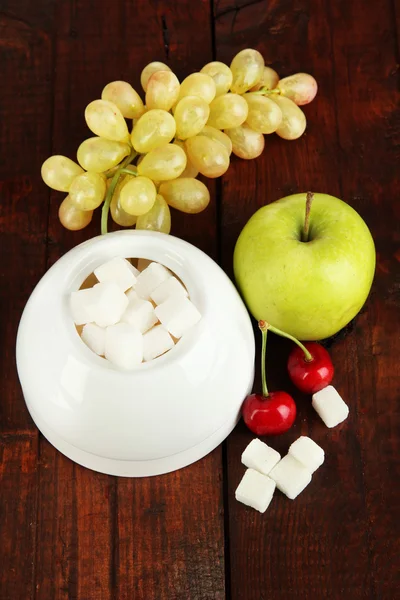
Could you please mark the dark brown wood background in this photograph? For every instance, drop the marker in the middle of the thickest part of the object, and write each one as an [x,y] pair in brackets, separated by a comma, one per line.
[69,533]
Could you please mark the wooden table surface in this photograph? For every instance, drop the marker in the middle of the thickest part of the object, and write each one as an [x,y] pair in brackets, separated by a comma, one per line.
[69,533]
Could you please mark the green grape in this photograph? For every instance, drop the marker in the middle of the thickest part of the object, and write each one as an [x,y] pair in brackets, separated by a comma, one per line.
[191,114]
[190,170]
[227,111]
[264,115]
[247,68]
[87,191]
[301,88]
[293,119]
[71,217]
[105,120]
[208,156]
[221,74]
[163,163]
[188,195]
[219,136]
[125,97]
[198,84]
[158,218]
[148,71]
[58,172]
[246,143]
[155,128]
[98,154]
[118,215]
[138,196]
[162,90]
[269,79]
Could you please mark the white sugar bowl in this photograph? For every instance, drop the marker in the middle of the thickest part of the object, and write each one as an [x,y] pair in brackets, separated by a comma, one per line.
[163,415]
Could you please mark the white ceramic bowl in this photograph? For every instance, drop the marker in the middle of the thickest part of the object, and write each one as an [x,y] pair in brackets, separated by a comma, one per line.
[166,413]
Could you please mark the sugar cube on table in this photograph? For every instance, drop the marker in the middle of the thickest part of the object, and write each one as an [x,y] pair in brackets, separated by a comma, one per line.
[149,279]
[330,406]
[117,270]
[308,453]
[177,314]
[255,490]
[157,341]
[140,313]
[260,457]
[80,303]
[124,346]
[108,304]
[290,476]
[169,287]
[94,337]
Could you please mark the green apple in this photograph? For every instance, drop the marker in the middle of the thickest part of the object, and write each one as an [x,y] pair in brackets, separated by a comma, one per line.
[307,276]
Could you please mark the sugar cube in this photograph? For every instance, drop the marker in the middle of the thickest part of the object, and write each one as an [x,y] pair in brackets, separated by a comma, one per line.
[124,345]
[94,337]
[290,476]
[330,406]
[178,314]
[140,313]
[169,287]
[149,279]
[255,490]
[117,270]
[260,457]
[157,341]
[108,304]
[308,453]
[131,294]
[80,303]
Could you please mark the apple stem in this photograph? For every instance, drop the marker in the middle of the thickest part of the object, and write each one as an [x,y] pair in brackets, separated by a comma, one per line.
[264,326]
[264,333]
[306,227]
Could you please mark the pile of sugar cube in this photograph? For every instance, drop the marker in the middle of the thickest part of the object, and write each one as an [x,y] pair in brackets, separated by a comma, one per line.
[267,471]
[133,315]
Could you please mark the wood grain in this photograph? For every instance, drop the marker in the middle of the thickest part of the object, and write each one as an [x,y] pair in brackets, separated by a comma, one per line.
[18,504]
[369,128]
[25,131]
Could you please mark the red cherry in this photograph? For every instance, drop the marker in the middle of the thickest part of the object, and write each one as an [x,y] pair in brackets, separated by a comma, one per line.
[310,376]
[269,415]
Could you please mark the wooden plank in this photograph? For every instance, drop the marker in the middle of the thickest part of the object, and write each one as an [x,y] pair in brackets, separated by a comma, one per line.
[18,503]
[109,545]
[170,534]
[366,84]
[75,530]
[297,549]
[25,131]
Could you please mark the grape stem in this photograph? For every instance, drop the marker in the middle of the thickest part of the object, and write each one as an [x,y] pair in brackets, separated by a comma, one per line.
[264,333]
[265,91]
[128,171]
[107,201]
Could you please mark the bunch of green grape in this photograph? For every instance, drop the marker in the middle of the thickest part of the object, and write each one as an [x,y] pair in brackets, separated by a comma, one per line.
[145,156]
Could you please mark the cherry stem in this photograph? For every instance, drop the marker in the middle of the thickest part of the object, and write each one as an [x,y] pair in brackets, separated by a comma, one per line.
[264,326]
[306,226]
[107,201]
[263,355]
